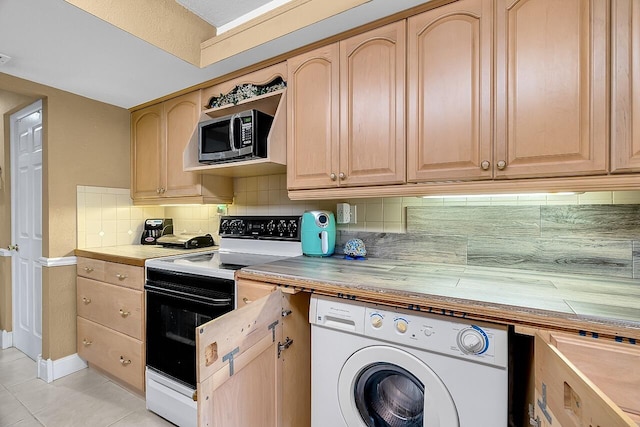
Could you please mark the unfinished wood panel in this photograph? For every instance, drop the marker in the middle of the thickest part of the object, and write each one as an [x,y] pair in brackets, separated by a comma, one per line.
[181,116]
[552,88]
[296,361]
[115,353]
[491,221]
[591,221]
[568,396]
[249,291]
[112,306]
[449,53]
[237,361]
[313,119]
[579,256]
[625,92]
[372,107]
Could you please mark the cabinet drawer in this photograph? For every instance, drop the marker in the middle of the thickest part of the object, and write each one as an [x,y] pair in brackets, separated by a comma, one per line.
[124,275]
[111,351]
[249,291]
[566,396]
[112,306]
[91,268]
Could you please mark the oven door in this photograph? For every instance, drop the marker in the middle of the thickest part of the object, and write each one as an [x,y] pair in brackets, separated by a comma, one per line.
[172,318]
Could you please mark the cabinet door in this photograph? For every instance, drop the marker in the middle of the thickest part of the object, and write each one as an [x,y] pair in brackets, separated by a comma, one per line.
[625,95]
[552,87]
[372,104]
[566,397]
[181,116]
[147,151]
[238,361]
[312,119]
[449,51]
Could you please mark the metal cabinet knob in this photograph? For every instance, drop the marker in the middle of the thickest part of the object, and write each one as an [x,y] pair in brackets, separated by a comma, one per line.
[342,175]
[121,276]
[157,190]
[124,362]
[501,164]
[124,313]
[86,342]
[86,300]
[333,176]
[485,165]
[88,269]
[246,300]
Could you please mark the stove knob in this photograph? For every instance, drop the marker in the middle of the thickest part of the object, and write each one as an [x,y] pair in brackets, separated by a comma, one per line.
[224,226]
[271,226]
[293,228]
[282,227]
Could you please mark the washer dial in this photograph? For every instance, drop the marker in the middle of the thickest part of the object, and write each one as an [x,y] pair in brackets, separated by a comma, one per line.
[473,340]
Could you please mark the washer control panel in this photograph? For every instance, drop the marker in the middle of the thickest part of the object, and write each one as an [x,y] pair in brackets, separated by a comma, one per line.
[479,341]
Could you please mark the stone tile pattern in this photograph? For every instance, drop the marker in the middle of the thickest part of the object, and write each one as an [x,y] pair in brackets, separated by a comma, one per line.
[579,239]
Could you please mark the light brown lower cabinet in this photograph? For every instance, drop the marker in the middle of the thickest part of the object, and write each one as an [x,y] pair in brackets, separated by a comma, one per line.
[583,381]
[254,366]
[111,319]
[115,353]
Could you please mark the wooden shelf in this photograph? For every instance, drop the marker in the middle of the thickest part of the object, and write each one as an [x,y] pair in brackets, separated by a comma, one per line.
[275,104]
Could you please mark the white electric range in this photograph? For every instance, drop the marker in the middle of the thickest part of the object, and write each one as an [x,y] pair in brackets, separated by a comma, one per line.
[186,291]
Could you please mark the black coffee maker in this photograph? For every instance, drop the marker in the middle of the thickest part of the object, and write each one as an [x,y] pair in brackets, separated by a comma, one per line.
[154,228]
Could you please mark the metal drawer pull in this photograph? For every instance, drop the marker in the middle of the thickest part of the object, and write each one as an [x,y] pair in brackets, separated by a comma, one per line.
[88,269]
[124,361]
[86,300]
[121,276]
[246,300]
[86,343]
[124,313]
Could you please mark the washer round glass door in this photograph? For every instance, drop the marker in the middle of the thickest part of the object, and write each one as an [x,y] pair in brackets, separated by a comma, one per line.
[382,386]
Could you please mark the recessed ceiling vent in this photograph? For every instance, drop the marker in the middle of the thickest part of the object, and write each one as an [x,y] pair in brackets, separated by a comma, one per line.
[4,58]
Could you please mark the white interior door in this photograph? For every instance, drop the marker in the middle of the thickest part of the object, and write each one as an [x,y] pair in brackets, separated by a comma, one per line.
[26,228]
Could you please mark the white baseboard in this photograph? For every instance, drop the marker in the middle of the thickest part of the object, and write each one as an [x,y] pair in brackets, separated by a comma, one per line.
[50,370]
[6,339]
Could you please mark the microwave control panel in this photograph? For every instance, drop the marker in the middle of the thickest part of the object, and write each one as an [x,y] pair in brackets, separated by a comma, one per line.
[246,131]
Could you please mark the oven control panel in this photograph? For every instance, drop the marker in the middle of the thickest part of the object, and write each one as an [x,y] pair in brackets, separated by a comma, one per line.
[260,227]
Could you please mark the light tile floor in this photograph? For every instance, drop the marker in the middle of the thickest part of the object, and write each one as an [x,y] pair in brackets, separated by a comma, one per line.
[84,398]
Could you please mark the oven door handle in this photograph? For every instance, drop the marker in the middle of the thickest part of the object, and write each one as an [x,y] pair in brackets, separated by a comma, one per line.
[218,302]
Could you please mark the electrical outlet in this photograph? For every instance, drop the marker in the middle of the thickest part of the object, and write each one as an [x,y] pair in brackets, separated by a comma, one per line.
[343,213]
[354,215]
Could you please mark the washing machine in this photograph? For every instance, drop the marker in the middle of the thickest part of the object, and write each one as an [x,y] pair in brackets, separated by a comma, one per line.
[375,366]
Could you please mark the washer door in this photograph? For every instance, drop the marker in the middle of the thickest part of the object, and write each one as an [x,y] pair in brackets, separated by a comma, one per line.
[381,386]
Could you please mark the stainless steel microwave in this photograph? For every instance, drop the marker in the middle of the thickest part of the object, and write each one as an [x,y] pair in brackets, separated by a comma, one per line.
[234,137]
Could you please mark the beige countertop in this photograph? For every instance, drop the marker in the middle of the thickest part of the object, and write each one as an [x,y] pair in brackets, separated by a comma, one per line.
[134,254]
[586,304]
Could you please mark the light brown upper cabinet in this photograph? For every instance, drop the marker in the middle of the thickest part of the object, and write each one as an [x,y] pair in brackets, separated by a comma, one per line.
[449,53]
[159,134]
[550,94]
[346,112]
[625,94]
[552,88]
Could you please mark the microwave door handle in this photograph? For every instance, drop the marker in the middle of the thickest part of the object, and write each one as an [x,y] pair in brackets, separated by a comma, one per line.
[232,139]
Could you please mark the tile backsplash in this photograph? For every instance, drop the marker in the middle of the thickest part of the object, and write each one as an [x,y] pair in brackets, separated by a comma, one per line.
[107,217]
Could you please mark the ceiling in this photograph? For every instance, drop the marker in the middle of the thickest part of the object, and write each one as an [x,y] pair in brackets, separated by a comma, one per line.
[54,43]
